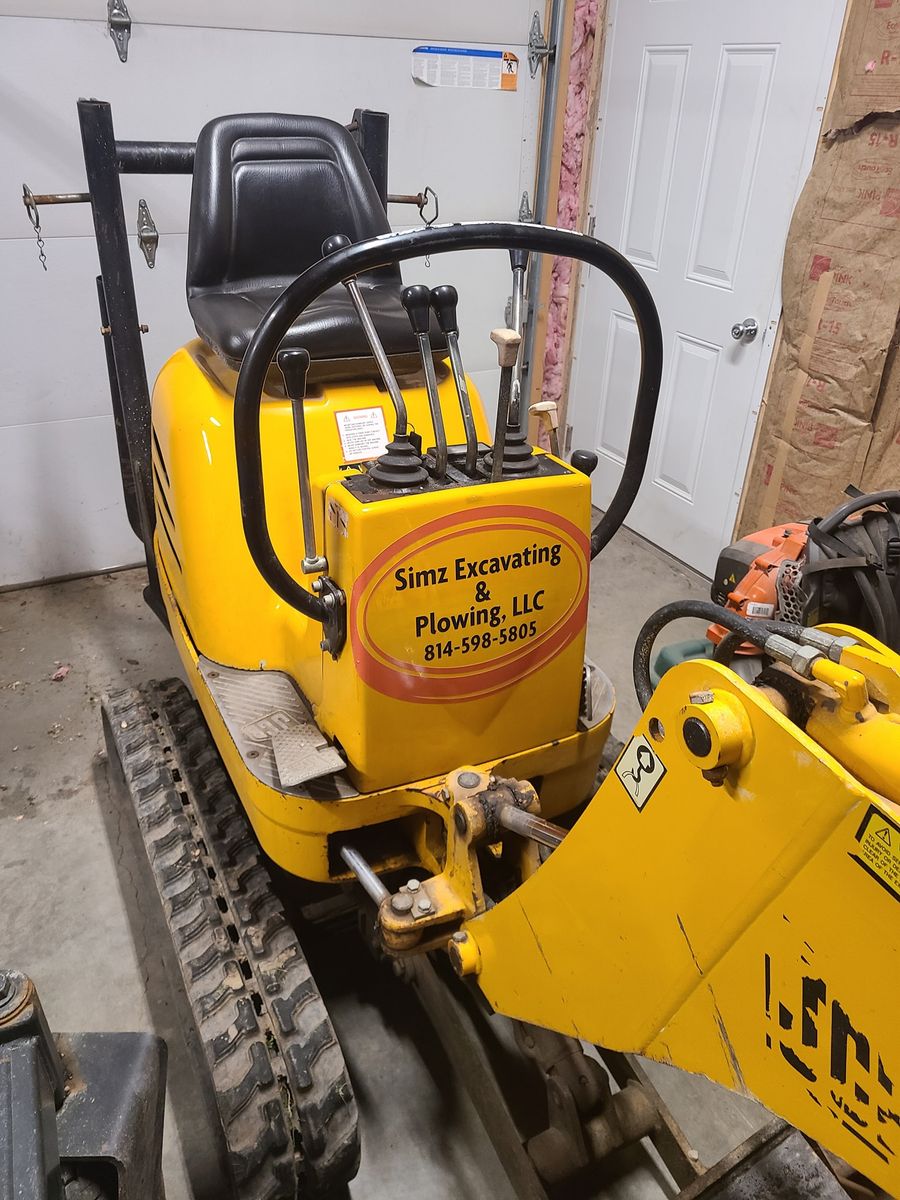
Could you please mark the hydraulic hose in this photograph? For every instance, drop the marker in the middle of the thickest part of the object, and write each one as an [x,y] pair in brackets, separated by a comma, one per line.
[394,248]
[749,629]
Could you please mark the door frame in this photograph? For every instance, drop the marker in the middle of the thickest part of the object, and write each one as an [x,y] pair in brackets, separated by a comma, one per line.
[837,19]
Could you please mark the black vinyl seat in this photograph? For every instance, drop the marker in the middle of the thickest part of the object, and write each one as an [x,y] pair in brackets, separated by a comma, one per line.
[268,189]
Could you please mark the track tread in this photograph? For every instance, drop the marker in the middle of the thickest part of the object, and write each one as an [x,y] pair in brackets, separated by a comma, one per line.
[285,1101]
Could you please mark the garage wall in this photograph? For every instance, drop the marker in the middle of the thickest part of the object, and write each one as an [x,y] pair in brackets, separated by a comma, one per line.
[60,492]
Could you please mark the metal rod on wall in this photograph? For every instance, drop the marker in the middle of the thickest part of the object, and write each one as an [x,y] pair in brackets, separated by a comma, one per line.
[543,184]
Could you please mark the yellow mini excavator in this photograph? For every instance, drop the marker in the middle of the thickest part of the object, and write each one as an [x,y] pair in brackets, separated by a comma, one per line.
[380,605]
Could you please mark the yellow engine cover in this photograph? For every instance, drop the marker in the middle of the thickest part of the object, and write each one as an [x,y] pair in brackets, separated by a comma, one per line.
[466,604]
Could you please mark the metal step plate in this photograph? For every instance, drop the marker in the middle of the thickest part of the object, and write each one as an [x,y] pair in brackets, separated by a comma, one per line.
[275,733]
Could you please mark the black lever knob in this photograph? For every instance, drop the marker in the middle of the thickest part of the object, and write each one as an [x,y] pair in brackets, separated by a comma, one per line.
[416,299]
[584,461]
[294,366]
[444,300]
[518,259]
[337,241]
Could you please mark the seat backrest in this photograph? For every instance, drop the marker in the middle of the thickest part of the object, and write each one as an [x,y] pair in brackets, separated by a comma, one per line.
[268,189]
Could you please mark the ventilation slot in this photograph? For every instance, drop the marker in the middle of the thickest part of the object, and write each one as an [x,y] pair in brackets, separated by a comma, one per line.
[164,530]
[162,461]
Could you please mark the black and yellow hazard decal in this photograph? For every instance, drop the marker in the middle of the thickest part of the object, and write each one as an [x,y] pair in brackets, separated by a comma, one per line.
[878,850]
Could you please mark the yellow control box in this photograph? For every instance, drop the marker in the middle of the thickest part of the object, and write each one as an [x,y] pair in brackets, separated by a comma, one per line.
[466,611]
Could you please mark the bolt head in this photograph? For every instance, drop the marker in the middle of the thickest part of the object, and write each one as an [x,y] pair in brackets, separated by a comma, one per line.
[459,937]
[401,903]
[413,886]
[468,779]
[423,905]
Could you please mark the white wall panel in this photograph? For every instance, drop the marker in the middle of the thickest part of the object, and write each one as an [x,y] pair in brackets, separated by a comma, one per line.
[473,147]
[61,499]
[53,366]
[476,148]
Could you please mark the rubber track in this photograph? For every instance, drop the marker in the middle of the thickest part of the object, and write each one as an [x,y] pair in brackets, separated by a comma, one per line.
[287,1109]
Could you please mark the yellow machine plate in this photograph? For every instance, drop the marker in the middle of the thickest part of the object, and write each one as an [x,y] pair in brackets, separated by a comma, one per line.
[749,932]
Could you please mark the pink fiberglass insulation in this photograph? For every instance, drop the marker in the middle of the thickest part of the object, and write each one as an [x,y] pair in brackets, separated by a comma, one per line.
[575,130]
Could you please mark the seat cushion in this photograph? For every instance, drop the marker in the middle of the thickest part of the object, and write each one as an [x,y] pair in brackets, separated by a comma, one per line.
[329,329]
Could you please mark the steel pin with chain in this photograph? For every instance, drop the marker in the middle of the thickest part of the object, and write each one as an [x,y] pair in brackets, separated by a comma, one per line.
[35,218]
[31,203]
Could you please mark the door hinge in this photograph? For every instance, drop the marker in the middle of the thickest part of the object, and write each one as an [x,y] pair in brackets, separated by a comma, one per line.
[525,213]
[118,24]
[148,235]
[538,47]
[592,224]
[567,440]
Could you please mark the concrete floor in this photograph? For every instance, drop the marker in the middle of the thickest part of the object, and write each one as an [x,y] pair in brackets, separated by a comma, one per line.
[66,889]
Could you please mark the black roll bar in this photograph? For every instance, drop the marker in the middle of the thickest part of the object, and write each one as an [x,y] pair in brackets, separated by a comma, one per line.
[394,248]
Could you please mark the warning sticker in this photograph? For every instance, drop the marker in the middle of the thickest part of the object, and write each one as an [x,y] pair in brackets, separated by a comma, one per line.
[879,850]
[640,770]
[363,433]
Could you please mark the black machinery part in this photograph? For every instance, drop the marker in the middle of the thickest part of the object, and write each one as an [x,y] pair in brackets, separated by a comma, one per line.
[285,1102]
[395,248]
[81,1114]
[851,568]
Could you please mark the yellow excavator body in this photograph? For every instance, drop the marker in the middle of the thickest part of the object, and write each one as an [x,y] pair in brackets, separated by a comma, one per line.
[467,610]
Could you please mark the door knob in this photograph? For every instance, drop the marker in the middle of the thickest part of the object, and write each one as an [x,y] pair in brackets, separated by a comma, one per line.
[745,331]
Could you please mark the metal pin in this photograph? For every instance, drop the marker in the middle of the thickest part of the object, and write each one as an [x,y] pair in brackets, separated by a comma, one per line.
[369,881]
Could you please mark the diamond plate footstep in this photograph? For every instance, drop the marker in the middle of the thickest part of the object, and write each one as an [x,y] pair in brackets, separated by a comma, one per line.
[274,731]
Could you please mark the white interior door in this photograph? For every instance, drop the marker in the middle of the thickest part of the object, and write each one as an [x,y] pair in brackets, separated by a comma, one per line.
[709,116]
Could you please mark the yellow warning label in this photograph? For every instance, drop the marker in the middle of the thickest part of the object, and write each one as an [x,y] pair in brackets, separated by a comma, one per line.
[879,850]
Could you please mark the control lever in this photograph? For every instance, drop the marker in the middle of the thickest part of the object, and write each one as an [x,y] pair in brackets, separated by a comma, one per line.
[417,302]
[294,366]
[444,300]
[584,461]
[400,465]
[547,413]
[511,453]
[518,260]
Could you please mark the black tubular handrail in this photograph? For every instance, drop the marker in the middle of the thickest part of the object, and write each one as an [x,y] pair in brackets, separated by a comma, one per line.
[394,248]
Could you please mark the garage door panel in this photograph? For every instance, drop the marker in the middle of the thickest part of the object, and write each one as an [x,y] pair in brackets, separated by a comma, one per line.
[55,365]
[467,144]
[61,496]
[497,22]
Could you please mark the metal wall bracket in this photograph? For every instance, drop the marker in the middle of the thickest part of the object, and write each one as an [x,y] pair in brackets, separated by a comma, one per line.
[525,212]
[118,24]
[538,46]
[148,235]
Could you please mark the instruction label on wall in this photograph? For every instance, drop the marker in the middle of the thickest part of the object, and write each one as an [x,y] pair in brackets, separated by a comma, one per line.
[465,67]
[362,432]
